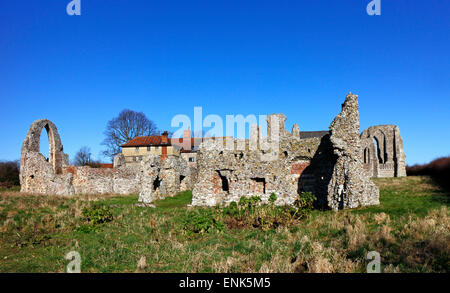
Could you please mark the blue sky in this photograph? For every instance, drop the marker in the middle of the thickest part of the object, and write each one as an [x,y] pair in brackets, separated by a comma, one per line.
[230,57]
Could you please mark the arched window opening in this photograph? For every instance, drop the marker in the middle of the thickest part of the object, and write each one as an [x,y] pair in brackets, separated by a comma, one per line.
[44,144]
[379,154]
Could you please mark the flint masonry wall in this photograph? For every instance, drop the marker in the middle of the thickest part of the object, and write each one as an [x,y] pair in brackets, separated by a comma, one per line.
[350,185]
[54,176]
[163,178]
[328,166]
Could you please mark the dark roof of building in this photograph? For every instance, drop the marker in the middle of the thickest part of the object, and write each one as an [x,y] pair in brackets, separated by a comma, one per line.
[311,134]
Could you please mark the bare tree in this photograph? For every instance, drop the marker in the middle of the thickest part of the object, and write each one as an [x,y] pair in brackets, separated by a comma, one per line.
[125,127]
[82,157]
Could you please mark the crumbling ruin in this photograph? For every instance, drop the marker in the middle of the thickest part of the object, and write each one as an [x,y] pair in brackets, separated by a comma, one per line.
[350,186]
[382,151]
[334,165]
[163,178]
[329,166]
[54,175]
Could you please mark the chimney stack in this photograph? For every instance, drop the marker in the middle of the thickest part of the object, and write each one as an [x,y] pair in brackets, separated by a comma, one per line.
[165,138]
[187,139]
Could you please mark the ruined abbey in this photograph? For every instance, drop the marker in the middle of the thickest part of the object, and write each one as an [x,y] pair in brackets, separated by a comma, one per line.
[334,165]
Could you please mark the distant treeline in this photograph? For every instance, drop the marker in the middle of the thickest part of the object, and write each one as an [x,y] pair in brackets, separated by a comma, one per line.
[438,169]
[9,174]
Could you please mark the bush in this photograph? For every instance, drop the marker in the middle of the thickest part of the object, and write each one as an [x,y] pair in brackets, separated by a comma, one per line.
[202,221]
[249,212]
[94,217]
[97,214]
[304,205]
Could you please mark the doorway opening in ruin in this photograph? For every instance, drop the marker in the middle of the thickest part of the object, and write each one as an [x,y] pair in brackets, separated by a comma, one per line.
[225,183]
[182,178]
[259,185]
[156,183]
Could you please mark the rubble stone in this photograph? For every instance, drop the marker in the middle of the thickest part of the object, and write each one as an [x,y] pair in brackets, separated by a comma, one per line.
[328,165]
[163,178]
[350,185]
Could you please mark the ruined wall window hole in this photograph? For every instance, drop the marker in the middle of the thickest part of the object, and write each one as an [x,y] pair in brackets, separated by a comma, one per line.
[156,183]
[225,183]
[260,185]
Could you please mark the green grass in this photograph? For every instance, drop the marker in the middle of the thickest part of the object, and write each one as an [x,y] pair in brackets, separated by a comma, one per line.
[181,200]
[410,229]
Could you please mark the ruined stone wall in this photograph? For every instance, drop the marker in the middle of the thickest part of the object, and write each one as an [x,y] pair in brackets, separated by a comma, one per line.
[87,180]
[37,174]
[350,185]
[226,172]
[163,178]
[329,166]
[382,151]
[55,177]
[227,175]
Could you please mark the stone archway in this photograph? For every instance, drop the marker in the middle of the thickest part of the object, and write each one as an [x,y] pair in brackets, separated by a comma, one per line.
[32,143]
[37,175]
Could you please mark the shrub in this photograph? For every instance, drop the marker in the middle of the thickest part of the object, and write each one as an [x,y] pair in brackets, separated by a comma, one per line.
[202,221]
[95,216]
[272,198]
[249,212]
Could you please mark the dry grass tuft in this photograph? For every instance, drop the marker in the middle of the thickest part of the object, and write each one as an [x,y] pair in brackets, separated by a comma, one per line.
[356,232]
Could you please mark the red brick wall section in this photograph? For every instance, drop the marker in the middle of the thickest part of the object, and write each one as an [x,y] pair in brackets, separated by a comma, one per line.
[298,168]
[164,153]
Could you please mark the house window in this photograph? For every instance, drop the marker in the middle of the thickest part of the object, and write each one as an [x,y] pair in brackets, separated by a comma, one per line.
[137,149]
[156,147]
[191,159]
[134,159]
[149,148]
[140,158]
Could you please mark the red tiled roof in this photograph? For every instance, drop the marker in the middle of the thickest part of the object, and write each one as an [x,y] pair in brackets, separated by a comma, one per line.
[156,141]
[106,166]
[144,141]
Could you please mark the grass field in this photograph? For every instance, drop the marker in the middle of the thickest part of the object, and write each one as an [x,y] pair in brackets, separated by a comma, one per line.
[410,230]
